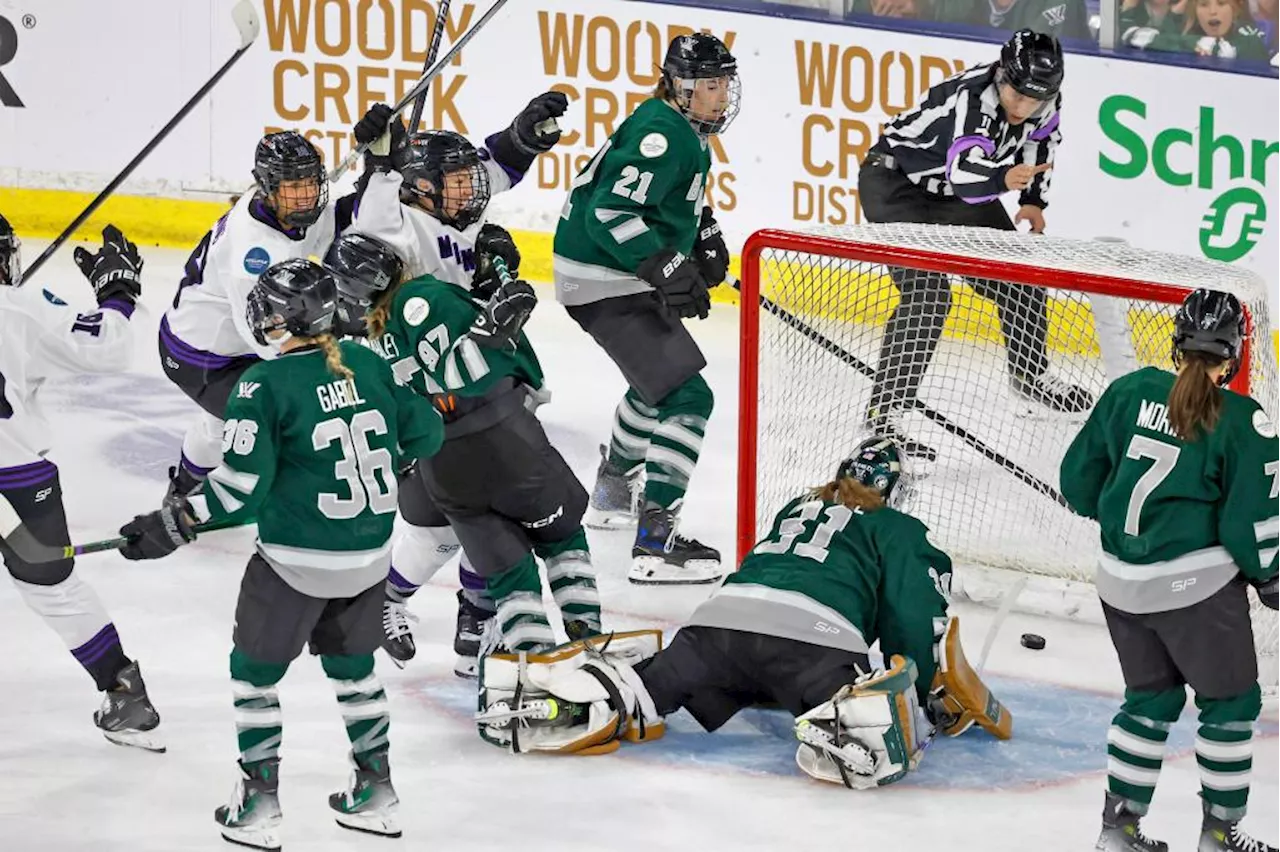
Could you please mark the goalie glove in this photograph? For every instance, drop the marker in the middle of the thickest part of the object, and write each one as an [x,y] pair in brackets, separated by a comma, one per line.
[870,734]
[498,326]
[958,698]
[581,698]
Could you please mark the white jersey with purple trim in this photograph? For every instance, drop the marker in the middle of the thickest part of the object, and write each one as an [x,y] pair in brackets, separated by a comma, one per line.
[957,141]
[46,338]
[427,245]
[207,316]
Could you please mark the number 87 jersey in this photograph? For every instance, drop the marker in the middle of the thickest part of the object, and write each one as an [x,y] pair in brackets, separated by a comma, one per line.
[1178,518]
[314,456]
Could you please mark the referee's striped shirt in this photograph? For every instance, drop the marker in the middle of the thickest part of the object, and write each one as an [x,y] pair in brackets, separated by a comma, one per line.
[957,141]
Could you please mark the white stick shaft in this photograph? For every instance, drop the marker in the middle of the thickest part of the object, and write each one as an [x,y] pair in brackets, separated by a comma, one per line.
[1006,606]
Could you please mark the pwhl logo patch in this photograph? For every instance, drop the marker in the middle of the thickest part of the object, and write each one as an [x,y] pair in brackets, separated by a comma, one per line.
[1231,172]
[8,50]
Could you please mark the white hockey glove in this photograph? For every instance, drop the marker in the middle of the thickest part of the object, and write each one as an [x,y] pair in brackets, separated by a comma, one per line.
[581,698]
[870,734]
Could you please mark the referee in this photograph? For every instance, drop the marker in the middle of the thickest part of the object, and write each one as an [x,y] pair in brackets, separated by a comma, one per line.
[989,130]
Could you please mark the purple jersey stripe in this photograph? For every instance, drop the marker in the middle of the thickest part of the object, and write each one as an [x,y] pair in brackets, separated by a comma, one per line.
[194,468]
[189,354]
[516,176]
[1042,133]
[964,143]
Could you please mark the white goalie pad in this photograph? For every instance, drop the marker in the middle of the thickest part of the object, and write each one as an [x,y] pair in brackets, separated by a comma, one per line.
[580,698]
[870,734]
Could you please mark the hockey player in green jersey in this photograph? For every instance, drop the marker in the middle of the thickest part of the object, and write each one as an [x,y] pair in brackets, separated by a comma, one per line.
[635,252]
[311,445]
[840,568]
[505,491]
[1181,474]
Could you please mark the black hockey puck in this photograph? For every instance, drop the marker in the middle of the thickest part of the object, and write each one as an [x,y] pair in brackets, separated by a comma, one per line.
[1033,641]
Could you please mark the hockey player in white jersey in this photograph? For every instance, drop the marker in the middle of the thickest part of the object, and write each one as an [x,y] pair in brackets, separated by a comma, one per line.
[205,341]
[44,339]
[444,183]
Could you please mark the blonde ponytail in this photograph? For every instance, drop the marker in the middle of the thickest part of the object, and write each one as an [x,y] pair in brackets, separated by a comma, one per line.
[849,492]
[376,319]
[333,356]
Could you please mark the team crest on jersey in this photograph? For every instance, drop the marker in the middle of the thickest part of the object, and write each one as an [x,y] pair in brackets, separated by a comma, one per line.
[1056,16]
[256,260]
[653,145]
[246,390]
[416,310]
[53,300]
[1263,425]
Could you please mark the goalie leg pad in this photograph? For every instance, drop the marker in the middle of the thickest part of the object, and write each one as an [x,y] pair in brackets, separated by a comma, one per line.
[580,698]
[870,734]
[958,698]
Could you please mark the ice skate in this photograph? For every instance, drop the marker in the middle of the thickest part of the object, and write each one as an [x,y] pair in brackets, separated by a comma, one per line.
[468,636]
[252,816]
[661,556]
[126,716]
[369,803]
[1120,830]
[1221,835]
[397,638]
[615,496]
[1051,392]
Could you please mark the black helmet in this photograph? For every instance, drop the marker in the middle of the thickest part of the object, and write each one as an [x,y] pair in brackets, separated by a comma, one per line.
[363,267]
[1031,62]
[880,464]
[10,261]
[701,56]
[1212,322]
[295,296]
[428,159]
[287,156]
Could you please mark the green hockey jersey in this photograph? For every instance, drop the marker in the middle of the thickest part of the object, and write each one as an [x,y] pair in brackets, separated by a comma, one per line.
[641,193]
[1179,520]
[842,578]
[427,343]
[314,457]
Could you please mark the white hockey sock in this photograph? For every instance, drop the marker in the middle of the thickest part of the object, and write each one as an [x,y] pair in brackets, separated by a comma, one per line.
[418,554]
[76,614]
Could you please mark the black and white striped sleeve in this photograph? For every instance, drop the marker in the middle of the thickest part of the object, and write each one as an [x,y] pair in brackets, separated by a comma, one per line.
[974,177]
[1038,150]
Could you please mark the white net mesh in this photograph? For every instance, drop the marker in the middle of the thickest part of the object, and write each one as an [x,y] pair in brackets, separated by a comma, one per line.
[998,415]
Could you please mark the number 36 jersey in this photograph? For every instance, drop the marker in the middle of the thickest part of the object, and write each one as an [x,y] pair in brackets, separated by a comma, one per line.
[314,456]
[1178,519]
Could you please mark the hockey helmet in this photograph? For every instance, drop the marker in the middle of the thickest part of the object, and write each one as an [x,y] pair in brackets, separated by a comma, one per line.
[881,465]
[295,296]
[363,267]
[1031,63]
[283,164]
[10,258]
[1213,322]
[701,56]
[444,168]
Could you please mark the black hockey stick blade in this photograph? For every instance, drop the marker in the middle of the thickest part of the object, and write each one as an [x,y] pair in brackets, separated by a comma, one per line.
[437,34]
[247,23]
[831,347]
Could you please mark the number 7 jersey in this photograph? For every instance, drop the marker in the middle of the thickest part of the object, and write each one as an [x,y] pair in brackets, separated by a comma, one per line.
[314,457]
[1178,519]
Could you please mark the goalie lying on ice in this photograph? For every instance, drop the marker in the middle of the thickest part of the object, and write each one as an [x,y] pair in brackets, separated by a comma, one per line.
[841,567]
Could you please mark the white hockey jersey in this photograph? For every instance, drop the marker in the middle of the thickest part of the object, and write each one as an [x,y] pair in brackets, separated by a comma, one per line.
[207,316]
[41,338]
[427,245]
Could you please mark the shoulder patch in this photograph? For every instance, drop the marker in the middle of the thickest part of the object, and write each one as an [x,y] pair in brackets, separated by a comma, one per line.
[53,299]
[416,310]
[246,390]
[256,260]
[1262,424]
[653,145]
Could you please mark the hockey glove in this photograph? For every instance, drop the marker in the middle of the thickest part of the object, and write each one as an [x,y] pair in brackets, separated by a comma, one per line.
[499,325]
[1268,592]
[528,131]
[678,282]
[709,249]
[115,270]
[383,133]
[159,533]
[493,241]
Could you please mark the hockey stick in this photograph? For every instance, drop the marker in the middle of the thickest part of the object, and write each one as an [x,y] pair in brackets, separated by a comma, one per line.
[420,88]
[246,21]
[1006,606]
[437,33]
[937,417]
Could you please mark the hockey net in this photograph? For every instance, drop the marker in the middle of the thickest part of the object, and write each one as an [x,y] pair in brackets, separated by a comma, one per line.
[814,309]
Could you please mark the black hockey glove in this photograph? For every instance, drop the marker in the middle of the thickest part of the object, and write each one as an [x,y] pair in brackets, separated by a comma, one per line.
[383,133]
[159,533]
[709,249]
[678,282]
[1269,592]
[115,270]
[527,132]
[504,316]
[493,241]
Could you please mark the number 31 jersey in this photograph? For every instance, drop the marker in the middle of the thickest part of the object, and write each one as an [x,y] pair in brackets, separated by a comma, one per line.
[314,457]
[1177,518]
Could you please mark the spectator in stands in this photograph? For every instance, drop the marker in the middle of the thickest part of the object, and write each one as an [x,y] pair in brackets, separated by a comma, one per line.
[1058,18]
[916,9]
[1141,20]
[1210,28]
[1265,14]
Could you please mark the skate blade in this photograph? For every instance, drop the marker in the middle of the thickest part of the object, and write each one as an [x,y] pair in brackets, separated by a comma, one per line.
[652,571]
[602,519]
[145,740]
[398,662]
[379,822]
[253,838]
